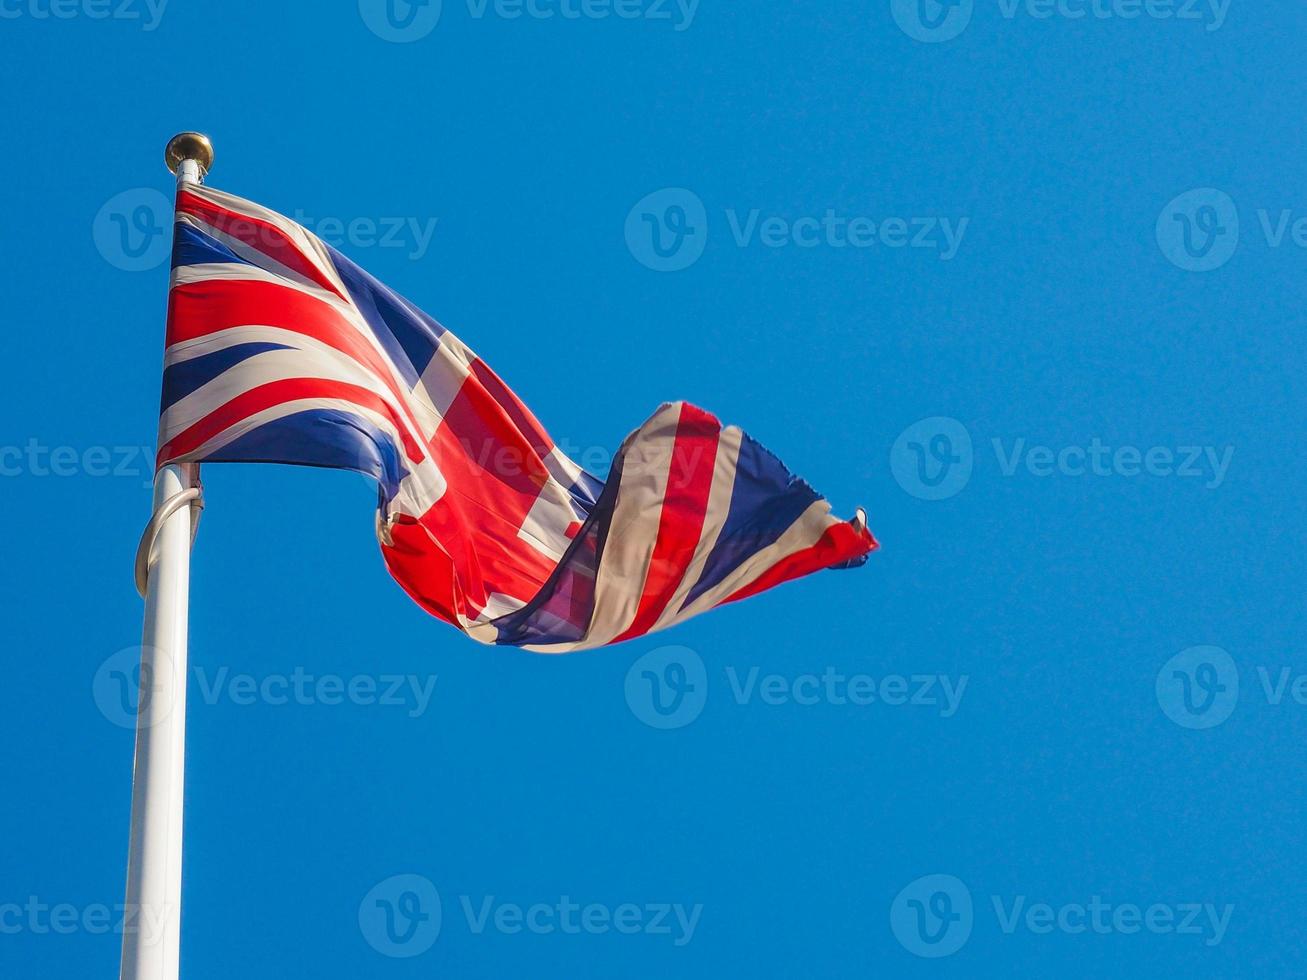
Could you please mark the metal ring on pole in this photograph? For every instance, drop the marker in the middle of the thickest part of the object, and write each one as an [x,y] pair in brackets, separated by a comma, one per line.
[193,496]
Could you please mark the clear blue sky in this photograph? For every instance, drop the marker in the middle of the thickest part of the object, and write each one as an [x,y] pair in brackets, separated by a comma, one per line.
[1108,271]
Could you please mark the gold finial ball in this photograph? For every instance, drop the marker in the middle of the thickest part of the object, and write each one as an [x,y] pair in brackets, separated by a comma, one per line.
[189,146]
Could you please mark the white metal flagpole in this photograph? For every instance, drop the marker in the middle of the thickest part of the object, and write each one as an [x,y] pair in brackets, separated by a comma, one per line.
[152,926]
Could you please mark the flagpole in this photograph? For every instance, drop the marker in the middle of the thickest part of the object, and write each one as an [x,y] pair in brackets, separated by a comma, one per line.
[152,927]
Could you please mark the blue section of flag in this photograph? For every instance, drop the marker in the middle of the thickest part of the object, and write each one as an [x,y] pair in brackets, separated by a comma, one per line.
[409,336]
[561,611]
[586,490]
[766,499]
[320,437]
[184,377]
[193,247]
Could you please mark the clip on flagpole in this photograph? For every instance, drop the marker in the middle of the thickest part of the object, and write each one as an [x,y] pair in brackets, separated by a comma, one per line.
[145,551]
[152,929]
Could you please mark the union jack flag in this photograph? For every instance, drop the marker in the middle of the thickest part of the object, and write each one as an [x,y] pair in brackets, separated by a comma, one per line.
[280,349]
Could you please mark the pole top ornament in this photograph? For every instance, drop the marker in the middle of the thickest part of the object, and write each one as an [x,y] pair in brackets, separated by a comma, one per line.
[189,146]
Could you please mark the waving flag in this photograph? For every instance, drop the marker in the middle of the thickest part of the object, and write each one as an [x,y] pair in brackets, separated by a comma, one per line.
[280,349]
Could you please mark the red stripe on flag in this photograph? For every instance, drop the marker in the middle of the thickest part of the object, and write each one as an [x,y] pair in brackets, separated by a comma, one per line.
[685,505]
[423,569]
[257,233]
[199,309]
[493,474]
[527,423]
[841,543]
[492,439]
[491,557]
[493,479]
